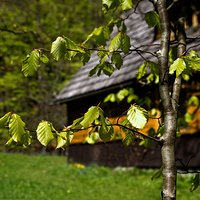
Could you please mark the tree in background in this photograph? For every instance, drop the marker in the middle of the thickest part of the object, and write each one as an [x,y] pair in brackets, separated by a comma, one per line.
[30,24]
[166,20]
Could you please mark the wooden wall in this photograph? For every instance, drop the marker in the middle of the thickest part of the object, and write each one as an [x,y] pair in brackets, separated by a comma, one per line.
[115,154]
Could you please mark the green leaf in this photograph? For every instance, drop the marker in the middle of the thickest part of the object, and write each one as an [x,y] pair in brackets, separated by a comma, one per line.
[63,139]
[160,130]
[90,116]
[126,4]
[188,117]
[44,132]
[106,130]
[195,183]
[58,48]
[77,123]
[43,58]
[107,3]
[111,97]
[193,63]
[178,66]
[117,60]
[142,71]
[5,120]
[193,100]
[126,44]
[152,19]
[107,68]
[17,130]
[100,35]
[129,138]
[154,72]
[193,54]
[122,94]
[116,42]
[93,71]
[72,49]
[10,141]
[103,54]
[172,54]
[85,57]
[31,63]
[137,116]
[106,134]
[185,77]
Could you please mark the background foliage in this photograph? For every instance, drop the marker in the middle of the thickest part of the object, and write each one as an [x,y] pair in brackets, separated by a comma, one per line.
[29,24]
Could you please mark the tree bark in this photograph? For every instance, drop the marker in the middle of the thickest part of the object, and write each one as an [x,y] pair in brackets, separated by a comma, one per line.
[170,102]
[169,113]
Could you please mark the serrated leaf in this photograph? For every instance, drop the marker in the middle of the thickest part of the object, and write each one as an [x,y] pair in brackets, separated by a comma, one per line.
[101,52]
[129,138]
[44,133]
[106,134]
[117,60]
[85,57]
[126,4]
[152,19]
[90,116]
[141,71]
[126,44]
[95,32]
[107,3]
[193,54]
[5,120]
[31,63]
[178,66]
[193,63]
[76,123]
[72,49]
[44,58]
[100,35]
[10,141]
[107,68]
[106,130]
[137,116]
[17,129]
[63,139]
[116,42]
[93,71]
[58,48]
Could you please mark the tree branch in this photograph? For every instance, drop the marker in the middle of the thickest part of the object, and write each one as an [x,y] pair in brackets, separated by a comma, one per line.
[119,125]
[163,57]
[180,53]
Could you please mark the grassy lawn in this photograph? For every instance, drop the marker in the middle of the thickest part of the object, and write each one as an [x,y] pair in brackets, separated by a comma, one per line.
[51,178]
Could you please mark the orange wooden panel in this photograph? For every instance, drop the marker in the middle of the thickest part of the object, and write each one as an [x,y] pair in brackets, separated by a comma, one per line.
[193,127]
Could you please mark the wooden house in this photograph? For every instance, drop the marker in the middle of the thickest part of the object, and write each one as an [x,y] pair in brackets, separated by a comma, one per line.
[83,92]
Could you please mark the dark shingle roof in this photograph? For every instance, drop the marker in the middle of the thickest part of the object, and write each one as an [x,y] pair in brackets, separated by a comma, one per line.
[141,36]
[82,85]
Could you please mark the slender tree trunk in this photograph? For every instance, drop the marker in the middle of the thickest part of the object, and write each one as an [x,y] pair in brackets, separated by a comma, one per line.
[170,101]
[170,114]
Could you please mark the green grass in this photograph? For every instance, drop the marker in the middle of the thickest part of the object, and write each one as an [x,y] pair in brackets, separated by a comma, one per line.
[51,178]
